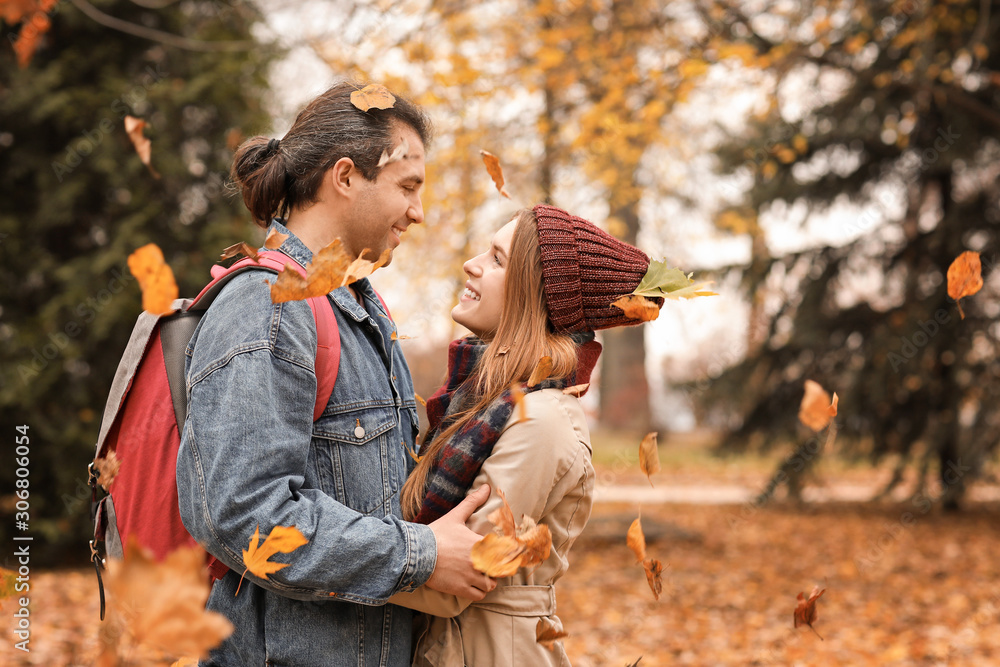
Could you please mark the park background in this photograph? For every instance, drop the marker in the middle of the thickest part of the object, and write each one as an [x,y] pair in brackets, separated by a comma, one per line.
[823,162]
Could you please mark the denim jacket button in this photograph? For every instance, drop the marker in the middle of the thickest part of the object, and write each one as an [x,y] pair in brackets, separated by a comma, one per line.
[359,431]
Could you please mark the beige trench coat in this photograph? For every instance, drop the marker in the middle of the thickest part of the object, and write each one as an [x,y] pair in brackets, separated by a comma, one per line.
[543,466]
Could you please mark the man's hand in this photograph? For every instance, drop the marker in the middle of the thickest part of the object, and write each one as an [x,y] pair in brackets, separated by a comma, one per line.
[453,572]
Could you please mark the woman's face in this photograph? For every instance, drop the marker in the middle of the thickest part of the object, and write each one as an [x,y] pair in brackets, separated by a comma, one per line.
[479,307]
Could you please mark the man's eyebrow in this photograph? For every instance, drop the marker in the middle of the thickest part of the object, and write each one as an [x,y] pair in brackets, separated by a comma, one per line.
[414,178]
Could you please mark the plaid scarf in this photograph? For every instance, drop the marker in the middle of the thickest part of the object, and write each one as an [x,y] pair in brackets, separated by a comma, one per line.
[459,461]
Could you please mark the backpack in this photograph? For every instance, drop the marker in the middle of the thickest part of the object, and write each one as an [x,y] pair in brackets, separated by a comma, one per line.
[145,412]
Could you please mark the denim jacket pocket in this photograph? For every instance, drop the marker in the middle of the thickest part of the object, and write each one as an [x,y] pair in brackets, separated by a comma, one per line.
[353,457]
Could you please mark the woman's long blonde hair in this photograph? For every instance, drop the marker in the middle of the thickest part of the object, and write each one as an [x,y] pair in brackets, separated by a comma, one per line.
[523,336]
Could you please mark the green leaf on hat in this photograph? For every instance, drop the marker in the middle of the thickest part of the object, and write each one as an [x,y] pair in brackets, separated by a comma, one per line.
[661,280]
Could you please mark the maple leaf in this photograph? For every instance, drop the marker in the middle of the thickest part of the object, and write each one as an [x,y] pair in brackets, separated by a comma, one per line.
[362,268]
[284,539]
[237,249]
[508,548]
[965,277]
[160,605]
[543,369]
[325,273]
[397,154]
[143,146]
[156,280]
[637,307]
[492,163]
[108,468]
[374,95]
[649,456]
[547,635]
[660,280]
[577,390]
[274,239]
[817,409]
[805,610]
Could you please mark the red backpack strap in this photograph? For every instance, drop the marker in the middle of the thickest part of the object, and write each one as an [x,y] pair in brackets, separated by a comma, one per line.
[384,307]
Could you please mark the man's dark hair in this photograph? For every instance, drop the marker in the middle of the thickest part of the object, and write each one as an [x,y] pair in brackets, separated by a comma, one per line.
[276,177]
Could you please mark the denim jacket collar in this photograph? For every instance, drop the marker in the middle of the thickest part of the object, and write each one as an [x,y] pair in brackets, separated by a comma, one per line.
[297,250]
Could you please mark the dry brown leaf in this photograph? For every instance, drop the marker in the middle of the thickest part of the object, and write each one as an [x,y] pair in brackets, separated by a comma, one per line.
[107,468]
[649,456]
[397,154]
[413,454]
[817,409]
[577,390]
[185,662]
[637,307]
[237,249]
[805,610]
[159,605]
[543,369]
[362,268]
[143,146]
[374,95]
[420,399]
[547,635]
[654,576]
[492,163]
[274,239]
[399,336]
[636,540]
[965,277]
[156,280]
[325,273]
[284,539]
[517,395]
[509,548]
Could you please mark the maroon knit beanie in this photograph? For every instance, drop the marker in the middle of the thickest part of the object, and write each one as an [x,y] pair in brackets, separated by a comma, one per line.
[584,269]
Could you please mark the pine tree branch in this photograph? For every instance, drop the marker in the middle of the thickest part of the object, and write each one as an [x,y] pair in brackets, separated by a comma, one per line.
[167,38]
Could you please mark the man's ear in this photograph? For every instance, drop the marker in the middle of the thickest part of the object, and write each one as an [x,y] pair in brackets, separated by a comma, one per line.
[342,178]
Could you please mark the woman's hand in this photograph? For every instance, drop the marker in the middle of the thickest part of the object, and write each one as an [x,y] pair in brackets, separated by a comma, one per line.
[453,572]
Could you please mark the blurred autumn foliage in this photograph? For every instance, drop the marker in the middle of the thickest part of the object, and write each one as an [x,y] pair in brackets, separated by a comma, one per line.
[78,200]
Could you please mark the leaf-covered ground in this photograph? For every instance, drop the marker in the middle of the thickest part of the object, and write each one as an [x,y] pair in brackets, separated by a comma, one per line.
[898,592]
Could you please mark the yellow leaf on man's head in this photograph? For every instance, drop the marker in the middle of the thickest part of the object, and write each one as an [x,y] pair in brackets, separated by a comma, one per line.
[156,280]
[817,409]
[374,95]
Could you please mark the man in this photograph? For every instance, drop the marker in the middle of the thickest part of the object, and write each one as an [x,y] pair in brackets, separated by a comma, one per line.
[251,454]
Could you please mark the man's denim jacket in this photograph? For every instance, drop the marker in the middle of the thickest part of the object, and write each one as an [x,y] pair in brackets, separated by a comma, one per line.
[251,456]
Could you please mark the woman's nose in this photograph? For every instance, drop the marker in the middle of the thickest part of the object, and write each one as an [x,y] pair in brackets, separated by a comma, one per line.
[471,266]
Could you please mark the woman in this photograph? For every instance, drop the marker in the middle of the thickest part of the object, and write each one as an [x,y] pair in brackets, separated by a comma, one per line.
[542,289]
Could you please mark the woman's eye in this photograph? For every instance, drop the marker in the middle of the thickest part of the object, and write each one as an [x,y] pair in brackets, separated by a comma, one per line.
[496,260]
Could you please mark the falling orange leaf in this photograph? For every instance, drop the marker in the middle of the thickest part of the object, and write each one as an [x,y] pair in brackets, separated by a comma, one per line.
[374,95]
[805,610]
[362,268]
[284,539]
[649,456]
[965,277]
[654,576]
[413,454]
[543,369]
[577,390]
[156,280]
[420,399]
[398,336]
[636,540]
[325,273]
[237,249]
[508,548]
[637,307]
[397,154]
[517,395]
[817,409]
[492,163]
[547,635]
[143,146]
[159,606]
[274,239]
[107,468]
